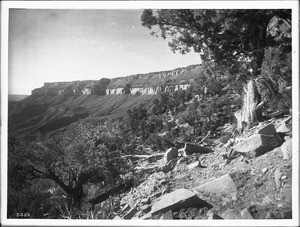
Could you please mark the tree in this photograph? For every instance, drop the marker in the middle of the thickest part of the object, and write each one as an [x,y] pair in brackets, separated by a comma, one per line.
[137,119]
[83,154]
[231,41]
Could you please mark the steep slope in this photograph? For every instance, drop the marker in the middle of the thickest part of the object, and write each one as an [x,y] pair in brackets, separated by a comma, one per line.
[51,114]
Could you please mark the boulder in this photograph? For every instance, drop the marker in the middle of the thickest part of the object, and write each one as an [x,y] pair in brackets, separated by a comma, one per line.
[162,182]
[222,185]
[283,128]
[254,212]
[256,145]
[231,214]
[190,149]
[211,215]
[245,213]
[145,201]
[285,125]
[170,154]
[146,216]
[145,208]
[181,152]
[267,130]
[176,200]
[167,216]
[130,213]
[286,149]
[117,218]
[125,208]
[168,167]
[193,165]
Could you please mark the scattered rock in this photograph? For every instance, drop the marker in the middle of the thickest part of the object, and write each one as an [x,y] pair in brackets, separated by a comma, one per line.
[267,130]
[286,149]
[287,214]
[277,175]
[254,212]
[130,214]
[264,170]
[286,193]
[219,186]
[145,208]
[181,152]
[170,154]
[265,202]
[285,125]
[167,216]
[193,165]
[176,200]
[231,214]
[155,195]
[146,216]
[214,165]
[283,177]
[168,167]
[246,214]
[190,149]
[117,218]
[280,215]
[145,201]
[212,215]
[256,145]
[283,128]
[125,208]
[162,182]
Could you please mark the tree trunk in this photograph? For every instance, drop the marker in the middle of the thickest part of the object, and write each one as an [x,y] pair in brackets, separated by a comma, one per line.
[76,196]
[248,115]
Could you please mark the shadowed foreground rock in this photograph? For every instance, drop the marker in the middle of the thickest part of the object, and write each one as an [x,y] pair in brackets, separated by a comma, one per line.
[176,200]
[256,145]
[190,149]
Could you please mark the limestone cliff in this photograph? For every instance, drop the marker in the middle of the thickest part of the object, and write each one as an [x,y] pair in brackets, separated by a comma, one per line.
[139,84]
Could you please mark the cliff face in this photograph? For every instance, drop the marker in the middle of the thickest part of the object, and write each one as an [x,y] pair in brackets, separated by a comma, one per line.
[140,84]
[59,104]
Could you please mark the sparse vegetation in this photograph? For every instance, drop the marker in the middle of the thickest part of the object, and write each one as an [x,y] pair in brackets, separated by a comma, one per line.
[61,145]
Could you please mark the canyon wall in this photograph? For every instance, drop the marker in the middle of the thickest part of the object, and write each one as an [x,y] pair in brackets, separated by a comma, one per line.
[139,84]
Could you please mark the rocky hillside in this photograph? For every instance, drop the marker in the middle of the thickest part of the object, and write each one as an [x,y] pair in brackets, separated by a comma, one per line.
[249,177]
[56,105]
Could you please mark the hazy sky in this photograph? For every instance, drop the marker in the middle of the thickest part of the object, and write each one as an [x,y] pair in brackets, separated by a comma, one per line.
[47,45]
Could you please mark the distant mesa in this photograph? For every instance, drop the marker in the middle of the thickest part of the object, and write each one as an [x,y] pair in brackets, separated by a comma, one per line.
[139,84]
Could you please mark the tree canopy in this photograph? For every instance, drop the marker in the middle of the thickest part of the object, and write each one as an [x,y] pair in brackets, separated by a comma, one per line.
[83,154]
[227,38]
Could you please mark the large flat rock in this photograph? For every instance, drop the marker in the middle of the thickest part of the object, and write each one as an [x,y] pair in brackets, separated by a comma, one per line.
[222,185]
[256,145]
[176,200]
[267,130]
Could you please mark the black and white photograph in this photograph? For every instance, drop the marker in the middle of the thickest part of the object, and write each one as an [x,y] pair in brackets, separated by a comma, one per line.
[150,113]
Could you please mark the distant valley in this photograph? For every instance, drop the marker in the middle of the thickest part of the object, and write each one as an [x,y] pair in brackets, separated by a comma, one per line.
[16,98]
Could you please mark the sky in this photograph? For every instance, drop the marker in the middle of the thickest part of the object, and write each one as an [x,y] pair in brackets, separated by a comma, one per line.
[51,45]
